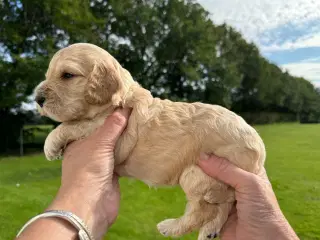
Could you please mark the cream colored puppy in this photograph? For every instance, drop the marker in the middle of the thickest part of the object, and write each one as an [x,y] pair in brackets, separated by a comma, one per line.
[163,140]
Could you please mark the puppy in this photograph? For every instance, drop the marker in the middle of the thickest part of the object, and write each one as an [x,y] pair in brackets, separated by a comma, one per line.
[163,139]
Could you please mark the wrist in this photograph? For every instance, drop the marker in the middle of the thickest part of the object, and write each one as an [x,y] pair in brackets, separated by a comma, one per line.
[58,228]
[287,231]
[85,205]
[282,230]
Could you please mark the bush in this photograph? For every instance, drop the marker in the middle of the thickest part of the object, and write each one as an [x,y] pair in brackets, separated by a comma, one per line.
[268,117]
[309,118]
[11,125]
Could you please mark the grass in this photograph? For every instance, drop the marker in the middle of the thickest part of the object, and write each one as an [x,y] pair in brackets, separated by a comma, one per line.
[27,185]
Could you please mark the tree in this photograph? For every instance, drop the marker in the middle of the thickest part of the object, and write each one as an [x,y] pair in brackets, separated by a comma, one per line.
[30,31]
[170,47]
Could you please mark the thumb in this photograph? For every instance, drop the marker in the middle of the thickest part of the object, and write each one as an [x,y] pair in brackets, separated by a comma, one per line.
[223,170]
[114,126]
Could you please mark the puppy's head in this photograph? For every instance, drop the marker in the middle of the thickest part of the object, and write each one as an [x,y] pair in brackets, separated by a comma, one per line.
[81,80]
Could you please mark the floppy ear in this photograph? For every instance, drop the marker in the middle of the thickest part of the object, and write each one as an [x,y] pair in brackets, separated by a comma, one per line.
[103,83]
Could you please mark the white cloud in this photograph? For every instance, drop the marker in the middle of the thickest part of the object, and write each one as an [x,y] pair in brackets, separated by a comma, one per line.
[310,60]
[317,84]
[311,40]
[308,70]
[275,25]
[256,19]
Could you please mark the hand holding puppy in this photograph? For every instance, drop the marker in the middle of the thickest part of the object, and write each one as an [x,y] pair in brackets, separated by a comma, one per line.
[88,173]
[257,214]
[89,188]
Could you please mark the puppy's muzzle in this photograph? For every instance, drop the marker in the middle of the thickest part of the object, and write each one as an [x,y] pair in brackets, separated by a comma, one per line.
[40,99]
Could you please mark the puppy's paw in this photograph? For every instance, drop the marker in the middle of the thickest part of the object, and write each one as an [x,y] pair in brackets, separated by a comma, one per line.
[212,235]
[168,227]
[207,236]
[54,146]
[53,154]
[209,231]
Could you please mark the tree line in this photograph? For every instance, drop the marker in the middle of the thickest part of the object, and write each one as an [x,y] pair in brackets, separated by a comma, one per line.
[171,47]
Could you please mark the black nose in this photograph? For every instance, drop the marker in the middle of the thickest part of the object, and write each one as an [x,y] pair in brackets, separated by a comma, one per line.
[40,100]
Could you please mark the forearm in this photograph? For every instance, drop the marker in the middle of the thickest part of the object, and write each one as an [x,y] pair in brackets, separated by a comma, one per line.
[89,188]
[286,232]
[274,224]
[58,228]
[279,230]
[49,229]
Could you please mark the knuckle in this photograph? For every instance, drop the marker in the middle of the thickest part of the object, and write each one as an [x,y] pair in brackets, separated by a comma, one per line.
[223,165]
[222,168]
[254,181]
[118,119]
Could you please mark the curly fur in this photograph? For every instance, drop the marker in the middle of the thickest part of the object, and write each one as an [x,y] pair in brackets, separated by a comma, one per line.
[163,140]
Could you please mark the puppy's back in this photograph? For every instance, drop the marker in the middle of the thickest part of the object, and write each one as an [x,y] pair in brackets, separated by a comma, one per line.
[176,133]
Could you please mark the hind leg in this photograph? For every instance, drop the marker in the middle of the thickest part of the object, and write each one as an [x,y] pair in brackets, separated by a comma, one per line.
[212,228]
[201,191]
[196,215]
[214,196]
[199,186]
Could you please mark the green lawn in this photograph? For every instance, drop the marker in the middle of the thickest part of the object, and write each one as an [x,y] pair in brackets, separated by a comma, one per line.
[27,186]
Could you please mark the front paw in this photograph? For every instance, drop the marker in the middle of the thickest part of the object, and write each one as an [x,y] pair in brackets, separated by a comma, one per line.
[53,149]
[53,153]
[168,227]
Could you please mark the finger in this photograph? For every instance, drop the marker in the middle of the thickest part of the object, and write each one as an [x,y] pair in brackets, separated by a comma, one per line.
[115,181]
[116,184]
[223,170]
[114,125]
[263,175]
[228,230]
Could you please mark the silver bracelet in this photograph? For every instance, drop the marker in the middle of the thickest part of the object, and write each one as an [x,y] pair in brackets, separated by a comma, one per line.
[83,231]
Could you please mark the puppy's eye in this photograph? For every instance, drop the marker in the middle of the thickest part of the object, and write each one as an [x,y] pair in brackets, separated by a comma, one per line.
[67,75]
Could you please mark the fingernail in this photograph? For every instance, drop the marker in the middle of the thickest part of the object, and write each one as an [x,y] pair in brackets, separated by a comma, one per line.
[125,111]
[121,111]
[204,157]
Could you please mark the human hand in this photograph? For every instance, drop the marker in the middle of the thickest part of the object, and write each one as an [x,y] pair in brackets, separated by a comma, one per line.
[89,187]
[257,214]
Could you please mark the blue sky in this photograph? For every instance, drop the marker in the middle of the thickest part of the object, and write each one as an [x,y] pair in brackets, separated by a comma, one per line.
[287,32]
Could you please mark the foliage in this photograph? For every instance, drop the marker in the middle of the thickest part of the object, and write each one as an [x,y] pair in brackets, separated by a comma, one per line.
[256,118]
[170,46]
[29,184]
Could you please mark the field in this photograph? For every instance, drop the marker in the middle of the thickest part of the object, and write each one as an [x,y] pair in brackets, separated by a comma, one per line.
[27,185]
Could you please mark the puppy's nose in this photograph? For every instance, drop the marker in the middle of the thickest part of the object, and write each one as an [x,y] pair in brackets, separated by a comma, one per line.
[40,100]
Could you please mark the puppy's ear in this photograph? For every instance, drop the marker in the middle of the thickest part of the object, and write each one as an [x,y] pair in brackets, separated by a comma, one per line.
[103,82]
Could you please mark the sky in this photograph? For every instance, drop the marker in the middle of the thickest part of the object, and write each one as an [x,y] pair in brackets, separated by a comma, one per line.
[287,32]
